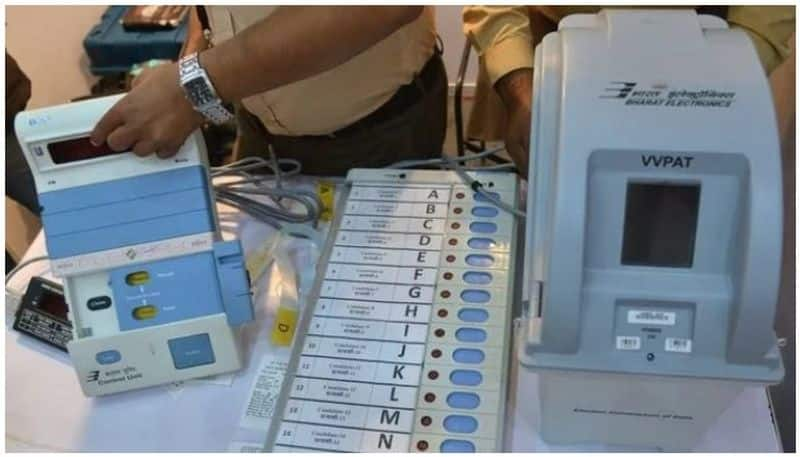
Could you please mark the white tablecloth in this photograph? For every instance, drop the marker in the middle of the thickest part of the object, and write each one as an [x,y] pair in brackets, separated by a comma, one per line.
[45,409]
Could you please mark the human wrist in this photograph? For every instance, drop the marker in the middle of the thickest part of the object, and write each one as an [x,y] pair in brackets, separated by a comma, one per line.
[212,61]
[201,91]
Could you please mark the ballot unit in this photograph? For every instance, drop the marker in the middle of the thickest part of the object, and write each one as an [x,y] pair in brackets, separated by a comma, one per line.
[405,345]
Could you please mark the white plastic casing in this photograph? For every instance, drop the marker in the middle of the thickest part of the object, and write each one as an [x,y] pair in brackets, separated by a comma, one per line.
[146,358]
[661,97]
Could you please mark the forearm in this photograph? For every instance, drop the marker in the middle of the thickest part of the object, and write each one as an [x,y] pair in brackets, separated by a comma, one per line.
[195,41]
[295,43]
[515,88]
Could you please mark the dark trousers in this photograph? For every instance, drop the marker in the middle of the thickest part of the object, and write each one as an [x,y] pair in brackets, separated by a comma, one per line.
[411,125]
[19,180]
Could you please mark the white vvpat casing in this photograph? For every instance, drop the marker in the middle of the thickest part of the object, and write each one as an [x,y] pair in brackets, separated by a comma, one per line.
[648,352]
[644,412]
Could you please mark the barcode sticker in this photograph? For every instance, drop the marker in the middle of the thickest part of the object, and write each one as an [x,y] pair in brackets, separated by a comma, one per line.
[678,345]
[629,343]
[650,317]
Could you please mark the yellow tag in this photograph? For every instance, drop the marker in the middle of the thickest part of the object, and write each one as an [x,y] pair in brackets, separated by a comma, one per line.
[285,324]
[325,191]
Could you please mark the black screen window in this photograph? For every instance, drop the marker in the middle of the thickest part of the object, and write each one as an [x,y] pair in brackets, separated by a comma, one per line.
[660,225]
[78,149]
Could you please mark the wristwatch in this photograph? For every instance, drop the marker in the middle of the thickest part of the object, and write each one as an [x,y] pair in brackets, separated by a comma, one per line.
[200,92]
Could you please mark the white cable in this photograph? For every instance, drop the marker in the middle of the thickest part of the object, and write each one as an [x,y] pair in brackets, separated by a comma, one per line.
[22,265]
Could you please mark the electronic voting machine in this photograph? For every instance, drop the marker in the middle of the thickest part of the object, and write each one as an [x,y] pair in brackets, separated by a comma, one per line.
[654,227]
[405,345]
[652,253]
[154,294]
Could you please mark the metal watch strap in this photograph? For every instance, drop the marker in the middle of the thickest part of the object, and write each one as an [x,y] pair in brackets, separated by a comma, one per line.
[213,110]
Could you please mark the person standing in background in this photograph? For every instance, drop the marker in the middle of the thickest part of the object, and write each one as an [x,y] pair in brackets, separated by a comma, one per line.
[505,38]
[19,180]
[334,87]
[22,204]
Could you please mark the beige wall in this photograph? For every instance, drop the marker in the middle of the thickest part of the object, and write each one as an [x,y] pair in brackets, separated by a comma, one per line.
[448,25]
[47,41]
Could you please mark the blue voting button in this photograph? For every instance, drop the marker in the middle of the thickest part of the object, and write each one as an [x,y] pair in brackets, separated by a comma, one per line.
[468,355]
[108,357]
[463,400]
[473,315]
[191,351]
[479,197]
[477,277]
[460,424]
[483,227]
[484,211]
[475,296]
[466,377]
[479,260]
[481,243]
[471,335]
[456,446]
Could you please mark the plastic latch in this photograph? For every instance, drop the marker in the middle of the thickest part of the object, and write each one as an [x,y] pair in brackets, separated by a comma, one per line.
[234,284]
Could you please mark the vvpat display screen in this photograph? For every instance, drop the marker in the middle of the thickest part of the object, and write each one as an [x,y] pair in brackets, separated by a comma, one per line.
[660,224]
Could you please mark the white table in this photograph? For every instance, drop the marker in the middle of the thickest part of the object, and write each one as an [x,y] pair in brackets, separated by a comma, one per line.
[46,411]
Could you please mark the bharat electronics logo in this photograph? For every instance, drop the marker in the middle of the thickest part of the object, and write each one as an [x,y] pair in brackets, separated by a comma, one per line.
[633,93]
[618,89]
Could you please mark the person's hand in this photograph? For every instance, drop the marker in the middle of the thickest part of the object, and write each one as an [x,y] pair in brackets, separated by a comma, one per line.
[154,117]
[515,89]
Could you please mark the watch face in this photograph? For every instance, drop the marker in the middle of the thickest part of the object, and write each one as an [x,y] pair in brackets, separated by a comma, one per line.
[199,91]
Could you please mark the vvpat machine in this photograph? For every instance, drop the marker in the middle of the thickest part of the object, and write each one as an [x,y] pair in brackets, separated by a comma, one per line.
[654,227]
[154,295]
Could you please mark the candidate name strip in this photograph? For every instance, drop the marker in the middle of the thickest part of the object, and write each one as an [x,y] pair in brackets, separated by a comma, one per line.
[357,379]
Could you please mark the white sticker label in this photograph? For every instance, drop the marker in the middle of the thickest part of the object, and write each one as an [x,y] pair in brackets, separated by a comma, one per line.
[678,345]
[393,224]
[398,257]
[424,194]
[391,311]
[357,370]
[350,290]
[392,209]
[376,273]
[354,392]
[629,343]
[389,240]
[650,317]
[264,392]
[372,330]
